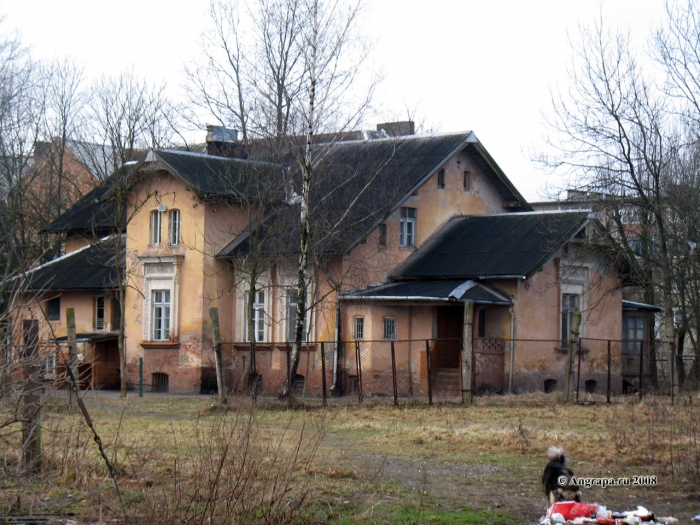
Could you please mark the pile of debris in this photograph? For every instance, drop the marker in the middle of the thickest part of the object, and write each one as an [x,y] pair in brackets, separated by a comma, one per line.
[573,512]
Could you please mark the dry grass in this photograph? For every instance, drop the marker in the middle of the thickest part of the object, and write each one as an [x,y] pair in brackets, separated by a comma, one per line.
[191,461]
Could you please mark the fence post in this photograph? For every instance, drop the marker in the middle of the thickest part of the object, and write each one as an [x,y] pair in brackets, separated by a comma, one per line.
[358,360]
[578,371]
[323,373]
[393,373]
[289,370]
[609,367]
[467,352]
[72,345]
[512,364]
[140,376]
[571,354]
[31,428]
[641,369]
[430,375]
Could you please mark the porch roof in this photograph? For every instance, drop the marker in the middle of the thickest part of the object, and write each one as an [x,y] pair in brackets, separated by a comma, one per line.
[636,306]
[440,291]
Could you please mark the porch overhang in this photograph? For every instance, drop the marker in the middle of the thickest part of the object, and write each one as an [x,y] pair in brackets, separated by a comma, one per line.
[431,292]
[636,306]
[87,337]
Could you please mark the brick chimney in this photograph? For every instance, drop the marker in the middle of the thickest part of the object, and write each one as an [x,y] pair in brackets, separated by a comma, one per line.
[223,142]
[398,129]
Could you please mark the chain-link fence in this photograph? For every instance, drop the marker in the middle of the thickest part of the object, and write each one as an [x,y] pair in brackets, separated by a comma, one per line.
[432,370]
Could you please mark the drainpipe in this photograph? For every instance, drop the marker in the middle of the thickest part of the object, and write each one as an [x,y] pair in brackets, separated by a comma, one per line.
[512,347]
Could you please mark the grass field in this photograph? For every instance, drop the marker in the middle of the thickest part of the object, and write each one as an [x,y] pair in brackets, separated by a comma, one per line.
[185,459]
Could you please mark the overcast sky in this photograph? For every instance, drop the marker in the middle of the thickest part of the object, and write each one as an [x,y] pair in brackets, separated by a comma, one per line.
[487,66]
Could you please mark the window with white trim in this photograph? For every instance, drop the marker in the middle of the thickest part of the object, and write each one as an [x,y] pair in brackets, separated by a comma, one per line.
[99,313]
[160,320]
[292,297]
[50,364]
[258,316]
[359,328]
[155,227]
[174,228]
[389,328]
[570,304]
[408,228]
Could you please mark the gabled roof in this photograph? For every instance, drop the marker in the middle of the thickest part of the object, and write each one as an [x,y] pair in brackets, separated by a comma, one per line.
[91,268]
[432,291]
[358,184]
[492,246]
[92,213]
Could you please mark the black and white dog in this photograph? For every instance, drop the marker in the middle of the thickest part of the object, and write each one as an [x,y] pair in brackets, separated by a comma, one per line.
[557,478]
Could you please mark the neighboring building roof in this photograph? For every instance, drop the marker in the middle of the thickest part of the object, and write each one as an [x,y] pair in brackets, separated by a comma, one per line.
[418,291]
[91,268]
[358,184]
[92,213]
[635,306]
[492,246]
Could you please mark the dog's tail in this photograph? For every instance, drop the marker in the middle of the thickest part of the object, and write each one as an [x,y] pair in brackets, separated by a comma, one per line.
[556,454]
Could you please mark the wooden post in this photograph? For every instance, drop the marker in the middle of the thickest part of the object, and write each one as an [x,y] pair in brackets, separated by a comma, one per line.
[218,358]
[571,357]
[323,374]
[72,345]
[31,430]
[393,373]
[609,371]
[430,372]
[467,352]
[641,369]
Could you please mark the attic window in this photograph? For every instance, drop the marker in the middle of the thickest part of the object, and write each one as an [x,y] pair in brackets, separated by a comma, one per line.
[467,181]
[155,227]
[441,179]
[382,234]
[408,228]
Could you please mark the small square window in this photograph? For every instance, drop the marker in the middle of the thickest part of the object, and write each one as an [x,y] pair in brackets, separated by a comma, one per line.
[359,328]
[441,178]
[53,309]
[467,181]
[389,328]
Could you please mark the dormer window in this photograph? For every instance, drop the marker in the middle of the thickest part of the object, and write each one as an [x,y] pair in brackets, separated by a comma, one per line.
[155,227]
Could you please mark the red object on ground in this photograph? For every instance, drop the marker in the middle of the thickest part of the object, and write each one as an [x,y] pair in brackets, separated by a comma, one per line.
[573,509]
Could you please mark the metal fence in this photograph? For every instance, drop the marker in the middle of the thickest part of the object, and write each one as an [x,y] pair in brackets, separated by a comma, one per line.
[430,370]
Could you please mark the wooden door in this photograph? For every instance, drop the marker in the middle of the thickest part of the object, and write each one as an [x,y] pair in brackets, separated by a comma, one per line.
[450,323]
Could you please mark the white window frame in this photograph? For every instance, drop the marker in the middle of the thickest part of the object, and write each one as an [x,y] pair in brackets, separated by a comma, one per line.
[408,224]
[100,321]
[156,222]
[390,328]
[258,316]
[160,273]
[50,364]
[358,327]
[174,227]
[161,310]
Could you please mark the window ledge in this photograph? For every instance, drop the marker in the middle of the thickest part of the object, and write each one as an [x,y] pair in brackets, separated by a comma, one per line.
[165,345]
